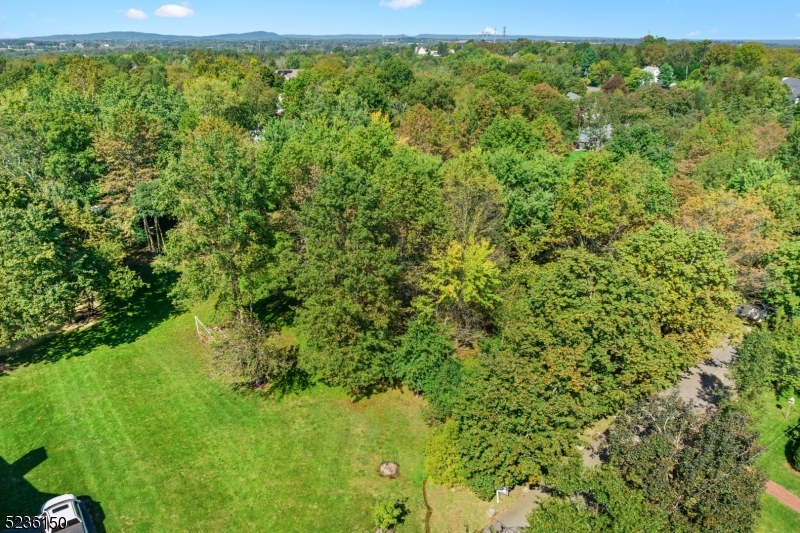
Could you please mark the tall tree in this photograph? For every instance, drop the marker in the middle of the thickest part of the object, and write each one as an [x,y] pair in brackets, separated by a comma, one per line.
[223,239]
[128,147]
[696,305]
[346,281]
[700,473]
[601,200]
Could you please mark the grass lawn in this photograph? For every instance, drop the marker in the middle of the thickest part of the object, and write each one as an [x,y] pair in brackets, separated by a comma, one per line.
[770,422]
[575,155]
[459,510]
[776,517]
[123,413]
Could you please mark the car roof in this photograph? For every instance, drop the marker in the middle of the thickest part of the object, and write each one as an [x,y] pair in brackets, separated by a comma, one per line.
[58,499]
[62,507]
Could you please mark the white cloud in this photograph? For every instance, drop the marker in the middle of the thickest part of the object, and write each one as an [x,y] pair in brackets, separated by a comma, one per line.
[400,4]
[715,30]
[137,14]
[174,11]
[694,33]
[489,31]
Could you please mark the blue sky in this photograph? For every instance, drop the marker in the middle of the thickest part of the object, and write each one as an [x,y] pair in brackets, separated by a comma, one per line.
[731,19]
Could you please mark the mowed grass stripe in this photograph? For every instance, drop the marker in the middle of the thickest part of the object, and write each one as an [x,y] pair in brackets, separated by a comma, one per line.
[140,427]
[93,399]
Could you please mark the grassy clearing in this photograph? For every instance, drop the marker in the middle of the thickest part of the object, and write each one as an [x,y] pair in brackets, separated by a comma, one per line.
[576,155]
[770,422]
[123,412]
[776,517]
[768,413]
[459,510]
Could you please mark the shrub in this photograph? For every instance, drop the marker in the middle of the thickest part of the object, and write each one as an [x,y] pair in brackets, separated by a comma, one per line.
[442,462]
[389,513]
[424,363]
[754,367]
[247,354]
[796,454]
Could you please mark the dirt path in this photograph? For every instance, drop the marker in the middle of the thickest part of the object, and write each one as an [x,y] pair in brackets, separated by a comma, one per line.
[786,497]
[703,384]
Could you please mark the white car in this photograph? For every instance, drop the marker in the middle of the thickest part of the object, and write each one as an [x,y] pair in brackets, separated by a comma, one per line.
[63,514]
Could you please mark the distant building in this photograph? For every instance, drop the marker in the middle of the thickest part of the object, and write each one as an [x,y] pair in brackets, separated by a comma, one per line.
[794,85]
[653,71]
[421,51]
[30,46]
[78,45]
[288,73]
[572,96]
[593,137]
[434,53]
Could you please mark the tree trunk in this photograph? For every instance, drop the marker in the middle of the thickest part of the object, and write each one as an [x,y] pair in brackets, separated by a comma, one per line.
[159,236]
[236,292]
[147,232]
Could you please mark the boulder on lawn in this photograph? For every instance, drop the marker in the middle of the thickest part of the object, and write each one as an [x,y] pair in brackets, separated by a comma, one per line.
[389,469]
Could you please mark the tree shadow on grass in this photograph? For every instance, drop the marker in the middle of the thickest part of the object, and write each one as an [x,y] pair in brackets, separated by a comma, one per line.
[294,382]
[19,496]
[119,324]
[277,310]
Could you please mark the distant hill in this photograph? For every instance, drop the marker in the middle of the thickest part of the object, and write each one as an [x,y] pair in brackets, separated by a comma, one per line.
[139,36]
[271,36]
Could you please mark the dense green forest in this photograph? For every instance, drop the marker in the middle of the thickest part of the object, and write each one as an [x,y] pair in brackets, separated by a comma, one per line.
[425,222]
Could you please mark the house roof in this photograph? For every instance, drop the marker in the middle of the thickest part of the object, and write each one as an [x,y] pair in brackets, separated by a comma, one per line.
[572,96]
[652,70]
[588,134]
[793,84]
[288,73]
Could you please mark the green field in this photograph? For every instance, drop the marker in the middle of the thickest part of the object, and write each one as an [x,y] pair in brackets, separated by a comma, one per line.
[123,413]
[776,517]
[770,422]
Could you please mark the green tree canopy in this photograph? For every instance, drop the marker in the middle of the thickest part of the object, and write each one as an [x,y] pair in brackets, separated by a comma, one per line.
[346,278]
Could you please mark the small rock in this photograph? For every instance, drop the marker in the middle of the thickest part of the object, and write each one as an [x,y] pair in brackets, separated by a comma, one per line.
[491,512]
[452,489]
[389,469]
[526,489]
